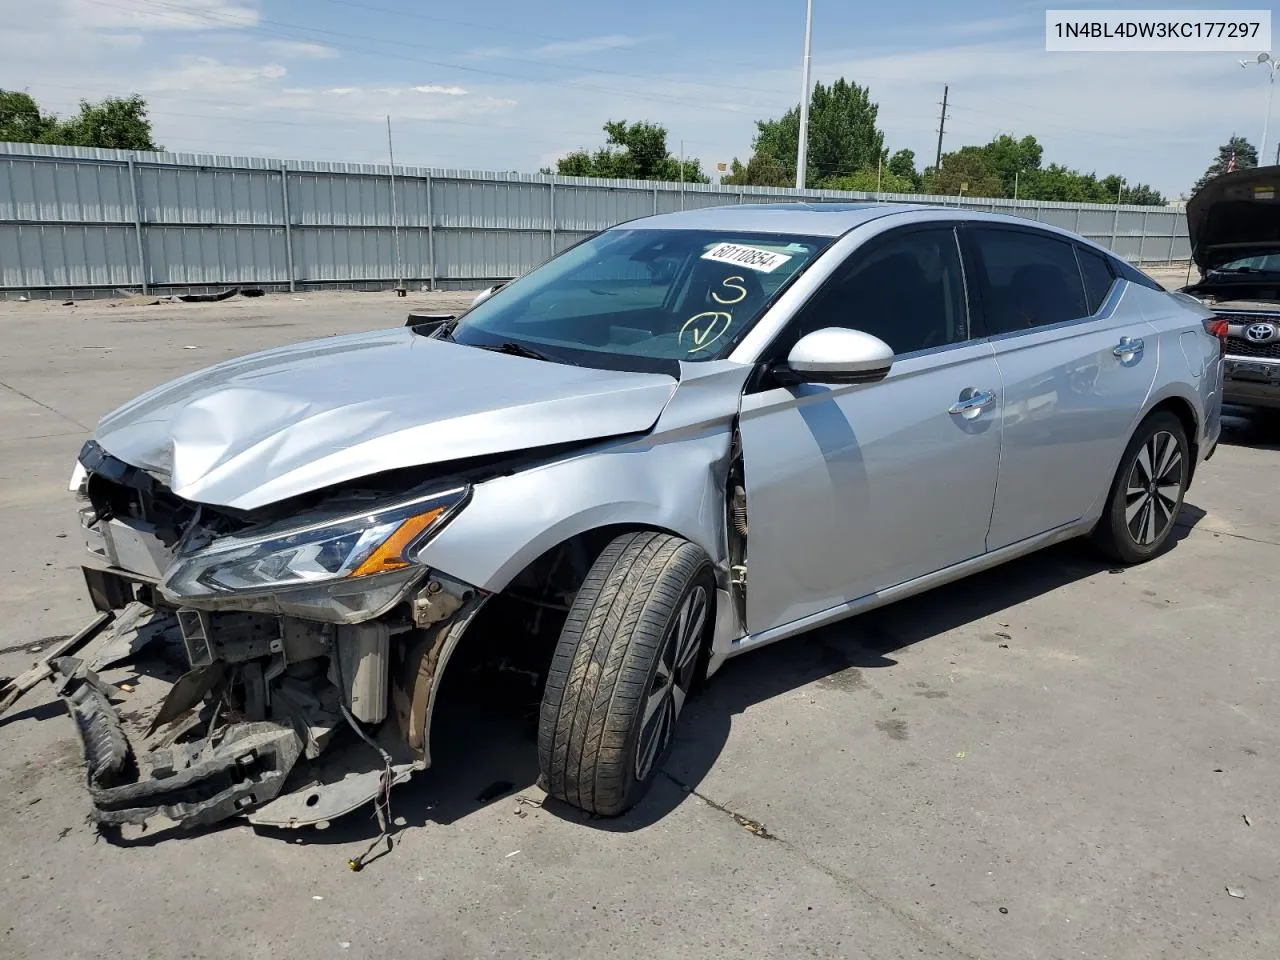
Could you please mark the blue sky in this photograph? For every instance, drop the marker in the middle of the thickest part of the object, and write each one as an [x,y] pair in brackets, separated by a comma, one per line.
[505,85]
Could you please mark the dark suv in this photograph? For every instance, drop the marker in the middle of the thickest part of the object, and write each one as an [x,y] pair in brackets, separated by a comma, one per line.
[1234,222]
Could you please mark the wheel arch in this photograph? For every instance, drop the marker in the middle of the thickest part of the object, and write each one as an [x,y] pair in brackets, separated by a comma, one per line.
[1182,408]
[585,542]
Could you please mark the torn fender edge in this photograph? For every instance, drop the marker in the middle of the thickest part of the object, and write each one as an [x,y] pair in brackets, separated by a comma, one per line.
[415,693]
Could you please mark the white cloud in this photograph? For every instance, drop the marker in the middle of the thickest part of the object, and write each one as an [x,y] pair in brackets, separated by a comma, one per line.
[161,14]
[299,50]
[208,75]
[437,88]
[574,48]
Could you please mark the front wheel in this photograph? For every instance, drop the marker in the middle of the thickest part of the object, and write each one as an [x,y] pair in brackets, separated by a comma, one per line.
[628,655]
[1147,492]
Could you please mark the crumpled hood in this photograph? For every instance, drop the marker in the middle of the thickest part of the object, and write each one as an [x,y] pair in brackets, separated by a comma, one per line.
[276,424]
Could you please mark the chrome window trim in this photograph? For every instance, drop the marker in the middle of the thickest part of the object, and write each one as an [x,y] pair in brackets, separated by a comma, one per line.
[1105,312]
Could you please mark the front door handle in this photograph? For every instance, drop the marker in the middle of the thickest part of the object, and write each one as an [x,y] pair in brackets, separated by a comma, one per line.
[972,402]
[1128,347]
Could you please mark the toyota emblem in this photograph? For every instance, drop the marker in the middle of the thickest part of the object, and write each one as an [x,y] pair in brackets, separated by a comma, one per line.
[1260,332]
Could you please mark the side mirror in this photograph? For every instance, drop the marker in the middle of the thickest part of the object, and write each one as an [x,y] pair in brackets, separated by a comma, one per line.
[486,294]
[837,355]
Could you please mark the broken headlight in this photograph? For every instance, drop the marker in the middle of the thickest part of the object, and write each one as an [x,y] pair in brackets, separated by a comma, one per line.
[342,570]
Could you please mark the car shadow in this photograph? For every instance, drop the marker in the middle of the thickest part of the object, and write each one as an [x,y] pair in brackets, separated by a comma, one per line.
[484,740]
[1243,429]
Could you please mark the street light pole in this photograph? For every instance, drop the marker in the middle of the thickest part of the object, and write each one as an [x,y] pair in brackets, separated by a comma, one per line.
[1271,66]
[802,154]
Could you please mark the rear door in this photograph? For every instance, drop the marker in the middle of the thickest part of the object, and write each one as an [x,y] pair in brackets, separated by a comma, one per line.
[1076,366]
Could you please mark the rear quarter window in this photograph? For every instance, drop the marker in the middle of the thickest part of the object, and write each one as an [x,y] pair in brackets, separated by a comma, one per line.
[1097,275]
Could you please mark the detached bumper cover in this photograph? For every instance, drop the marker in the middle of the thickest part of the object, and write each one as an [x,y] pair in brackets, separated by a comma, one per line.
[195,784]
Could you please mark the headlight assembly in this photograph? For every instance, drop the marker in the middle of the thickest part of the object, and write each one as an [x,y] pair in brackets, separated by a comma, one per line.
[342,570]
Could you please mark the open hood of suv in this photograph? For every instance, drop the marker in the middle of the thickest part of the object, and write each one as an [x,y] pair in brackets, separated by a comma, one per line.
[1234,216]
[273,425]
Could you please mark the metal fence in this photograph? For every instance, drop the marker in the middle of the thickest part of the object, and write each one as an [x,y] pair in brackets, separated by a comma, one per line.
[83,221]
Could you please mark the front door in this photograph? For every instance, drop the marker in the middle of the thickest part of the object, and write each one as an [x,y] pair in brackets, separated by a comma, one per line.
[855,488]
[1076,365]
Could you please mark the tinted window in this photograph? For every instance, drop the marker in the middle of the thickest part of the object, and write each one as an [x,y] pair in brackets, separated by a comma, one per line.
[1028,280]
[1097,277]
[907,289]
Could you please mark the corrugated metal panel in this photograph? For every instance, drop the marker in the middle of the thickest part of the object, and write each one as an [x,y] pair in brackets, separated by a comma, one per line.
[325,199]
[590,208]
[487,224]
[486,254]
[64,191]
[513,206]
[1130,224]
[216,255]
[331,253]
[197,195]
[67,256]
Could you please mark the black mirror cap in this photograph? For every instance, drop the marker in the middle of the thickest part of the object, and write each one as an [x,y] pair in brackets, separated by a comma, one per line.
[784,375]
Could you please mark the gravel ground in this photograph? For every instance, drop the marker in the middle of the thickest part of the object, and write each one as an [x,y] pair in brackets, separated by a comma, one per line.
[1052,759]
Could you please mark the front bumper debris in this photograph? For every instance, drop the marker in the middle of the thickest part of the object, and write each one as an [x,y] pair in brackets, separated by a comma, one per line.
[287,730]
[194,784]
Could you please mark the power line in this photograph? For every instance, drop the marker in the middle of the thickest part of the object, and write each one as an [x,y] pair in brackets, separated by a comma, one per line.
[210,18]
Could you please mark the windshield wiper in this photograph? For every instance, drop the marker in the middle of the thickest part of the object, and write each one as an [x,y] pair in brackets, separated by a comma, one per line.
[520,350]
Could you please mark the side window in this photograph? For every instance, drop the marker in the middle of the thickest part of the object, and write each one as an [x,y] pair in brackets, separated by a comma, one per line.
[1028,279]
[907,289]
[1097,277]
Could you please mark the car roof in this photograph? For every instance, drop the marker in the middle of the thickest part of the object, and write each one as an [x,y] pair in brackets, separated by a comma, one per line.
[811,219]
[822,219]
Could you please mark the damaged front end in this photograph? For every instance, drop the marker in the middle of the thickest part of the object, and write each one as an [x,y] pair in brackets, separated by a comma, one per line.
[291,655]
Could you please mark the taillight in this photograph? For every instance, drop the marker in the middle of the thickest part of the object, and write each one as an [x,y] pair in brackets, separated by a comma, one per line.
[1217,327]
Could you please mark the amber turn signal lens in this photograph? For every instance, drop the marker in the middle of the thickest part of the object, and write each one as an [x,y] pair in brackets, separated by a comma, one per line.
[390,556]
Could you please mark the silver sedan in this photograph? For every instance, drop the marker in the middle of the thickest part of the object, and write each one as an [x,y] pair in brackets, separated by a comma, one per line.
[684,438]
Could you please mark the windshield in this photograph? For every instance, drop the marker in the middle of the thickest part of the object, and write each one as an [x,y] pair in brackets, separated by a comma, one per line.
[641,299]
[1269,263]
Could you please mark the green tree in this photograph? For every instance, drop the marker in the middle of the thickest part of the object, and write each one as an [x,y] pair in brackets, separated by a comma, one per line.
[20,118]
[903,164]
[115,122]
[843,139]
[1246,155]
[636,151]
[967,170]
[871,180]
[1012,159]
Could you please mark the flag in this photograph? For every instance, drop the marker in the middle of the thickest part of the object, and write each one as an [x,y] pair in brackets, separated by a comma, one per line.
[1231,164]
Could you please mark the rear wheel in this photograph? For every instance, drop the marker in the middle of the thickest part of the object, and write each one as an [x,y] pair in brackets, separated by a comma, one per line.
[628,656]
[1147,491]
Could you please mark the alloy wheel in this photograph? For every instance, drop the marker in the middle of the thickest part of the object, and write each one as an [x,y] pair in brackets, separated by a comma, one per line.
[672,680]
[1154,488]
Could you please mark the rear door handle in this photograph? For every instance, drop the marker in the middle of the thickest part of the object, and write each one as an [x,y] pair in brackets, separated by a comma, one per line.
[1128,347]
[972,404]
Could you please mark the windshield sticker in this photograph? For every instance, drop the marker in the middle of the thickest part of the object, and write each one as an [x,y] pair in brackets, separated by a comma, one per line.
[704,329]
[753,258]
[737,288]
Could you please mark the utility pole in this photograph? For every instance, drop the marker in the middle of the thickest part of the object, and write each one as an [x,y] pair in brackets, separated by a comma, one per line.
[802,154]
[395,216]
[942,125]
